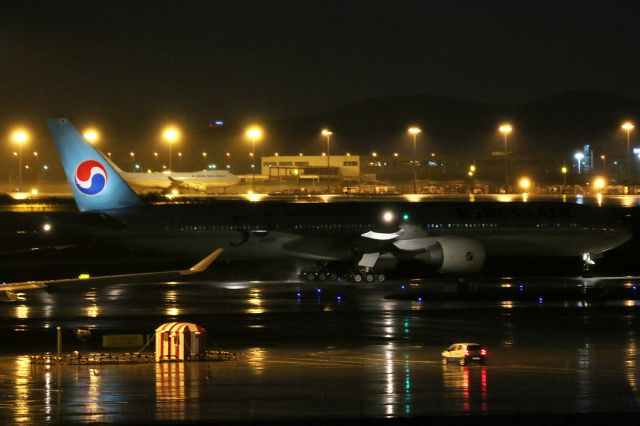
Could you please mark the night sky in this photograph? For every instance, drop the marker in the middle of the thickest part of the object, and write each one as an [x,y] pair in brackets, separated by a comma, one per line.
[146,62]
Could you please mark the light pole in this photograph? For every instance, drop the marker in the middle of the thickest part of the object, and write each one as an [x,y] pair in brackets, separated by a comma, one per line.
[155,160]
[579,157]
[506,130]
[133,161]
[628,127]
[171,134]
[20,136]
[37,167]
[254,134]
[327,134]
[604,164]
[204,156]
[564,177]
[414,132]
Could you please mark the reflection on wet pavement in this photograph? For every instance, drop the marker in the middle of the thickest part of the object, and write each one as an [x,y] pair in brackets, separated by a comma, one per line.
[306,354]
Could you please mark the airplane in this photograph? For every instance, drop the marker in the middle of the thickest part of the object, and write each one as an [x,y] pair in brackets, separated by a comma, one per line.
[8,291]
[201,180]
[449,237]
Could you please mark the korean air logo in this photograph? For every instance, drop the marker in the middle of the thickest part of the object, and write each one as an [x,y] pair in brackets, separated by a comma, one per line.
[91,177]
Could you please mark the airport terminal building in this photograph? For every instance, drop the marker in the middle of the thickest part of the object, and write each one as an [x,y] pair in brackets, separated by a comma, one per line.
[311,167]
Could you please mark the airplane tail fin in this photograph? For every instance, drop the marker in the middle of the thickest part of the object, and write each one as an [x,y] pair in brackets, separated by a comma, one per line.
[95,184]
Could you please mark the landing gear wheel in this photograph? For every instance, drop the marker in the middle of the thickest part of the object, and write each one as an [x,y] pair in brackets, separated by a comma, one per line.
[462,362]
[358,278]
[309,276]
[322,276]
[369,277]
[333,276]
[381,278]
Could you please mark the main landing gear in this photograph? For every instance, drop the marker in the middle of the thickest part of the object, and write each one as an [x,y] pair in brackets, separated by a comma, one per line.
[363,272]
[369,276]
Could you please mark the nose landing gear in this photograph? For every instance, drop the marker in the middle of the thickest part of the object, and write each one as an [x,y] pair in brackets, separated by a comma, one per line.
[587,262]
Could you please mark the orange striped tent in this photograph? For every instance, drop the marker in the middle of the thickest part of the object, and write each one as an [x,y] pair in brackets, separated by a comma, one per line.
[179,341]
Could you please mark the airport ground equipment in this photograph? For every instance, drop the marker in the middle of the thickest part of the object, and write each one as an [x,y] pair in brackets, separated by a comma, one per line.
[180,341]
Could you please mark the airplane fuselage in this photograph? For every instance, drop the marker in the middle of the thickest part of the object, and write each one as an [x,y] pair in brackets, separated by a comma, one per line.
[199,180]
[333,231]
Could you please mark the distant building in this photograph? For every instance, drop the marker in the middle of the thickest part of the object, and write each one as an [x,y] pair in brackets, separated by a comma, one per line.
[310,166]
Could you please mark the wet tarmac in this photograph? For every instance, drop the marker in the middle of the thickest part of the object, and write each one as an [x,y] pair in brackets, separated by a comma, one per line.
[330,355]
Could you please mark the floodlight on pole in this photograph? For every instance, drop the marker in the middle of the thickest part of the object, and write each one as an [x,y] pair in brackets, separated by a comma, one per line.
[327,134]
[20,137]
[579,156]
[414,132]
[254,134]
[171,134]
[506,130]
[628,126]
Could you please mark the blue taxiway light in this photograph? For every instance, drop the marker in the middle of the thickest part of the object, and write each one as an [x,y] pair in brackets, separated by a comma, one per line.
[419,299]
[540,300]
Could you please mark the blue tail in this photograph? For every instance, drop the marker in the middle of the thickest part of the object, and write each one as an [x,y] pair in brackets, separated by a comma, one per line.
[95,184]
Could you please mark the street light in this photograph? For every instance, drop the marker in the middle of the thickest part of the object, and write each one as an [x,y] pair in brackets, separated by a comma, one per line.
[579,156]
[506,130]
[414,132]
[524,183]
[171,134]
[599,183]
[628,127]
[91,135]
[204,155]
[327,134]
[604,164]
[133,160]
[20,136]
[563,170]
[37,167]
[254,134]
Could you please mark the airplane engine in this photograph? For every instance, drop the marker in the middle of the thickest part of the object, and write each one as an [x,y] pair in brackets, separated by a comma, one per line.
[455,255]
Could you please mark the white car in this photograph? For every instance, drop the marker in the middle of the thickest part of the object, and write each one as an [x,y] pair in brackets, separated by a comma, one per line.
[464,353]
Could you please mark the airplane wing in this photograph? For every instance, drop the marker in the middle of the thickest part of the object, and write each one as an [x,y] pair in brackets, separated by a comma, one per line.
[7,291]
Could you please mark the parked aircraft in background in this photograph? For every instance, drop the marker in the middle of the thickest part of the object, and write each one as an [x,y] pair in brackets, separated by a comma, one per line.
[201,180]
[449,237]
